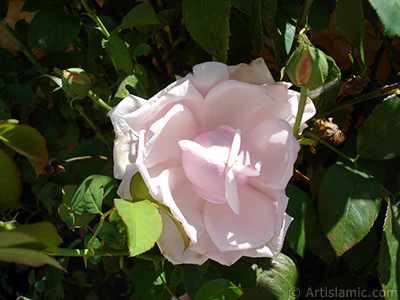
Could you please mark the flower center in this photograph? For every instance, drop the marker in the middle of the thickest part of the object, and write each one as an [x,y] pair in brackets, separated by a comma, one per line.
[218,164]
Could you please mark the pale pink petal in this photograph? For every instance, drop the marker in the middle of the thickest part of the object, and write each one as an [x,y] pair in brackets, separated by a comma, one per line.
[180,92]
[273,143]
[164,134]
[207,75]
[255,73]
[124,188]
[185,205]
[125,142]
[277,195]
[231,102]
[172,246]
[253,227]
[273,247]
[207,247]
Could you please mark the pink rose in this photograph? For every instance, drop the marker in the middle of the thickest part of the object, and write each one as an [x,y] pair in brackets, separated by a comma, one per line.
[217,148]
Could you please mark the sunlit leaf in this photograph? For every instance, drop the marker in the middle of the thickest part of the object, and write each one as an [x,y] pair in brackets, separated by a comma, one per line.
[143,223]
[26,141]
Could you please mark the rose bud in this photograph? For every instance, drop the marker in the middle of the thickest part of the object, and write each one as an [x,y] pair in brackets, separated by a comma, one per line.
[76,83]
[307,67]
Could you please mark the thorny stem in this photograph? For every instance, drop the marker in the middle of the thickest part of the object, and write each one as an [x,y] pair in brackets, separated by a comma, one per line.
[384,91]
[302,104]
[103,217]
[314,136]
[21,45]
[95,18]
[92,124]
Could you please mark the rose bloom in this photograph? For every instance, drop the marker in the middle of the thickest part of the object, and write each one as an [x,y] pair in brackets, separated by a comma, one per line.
[217,148]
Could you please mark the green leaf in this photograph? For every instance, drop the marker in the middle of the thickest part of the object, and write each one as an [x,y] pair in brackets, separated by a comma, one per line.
[240,273]
[79,202]
[140,191]
[10,182]
[255,27]
[350,21]
[363,252]
[388,12]
[276,278]
[141,14]
[218,289]
[26,141]
[390,253]
[142,49]
[348,204]
[120,54]
[302,209]
[208,23]
[379,136]
[320,246]
[21,93]
[93,196]
[51,29]
[143,223]
[195,277]
[326,94]
[44,232]
[28,257]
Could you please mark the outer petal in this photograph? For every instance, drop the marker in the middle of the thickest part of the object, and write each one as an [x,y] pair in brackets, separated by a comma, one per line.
[206,246]
[185,205]
[180,92]
[253,227]
[125,142]
[273,143]
[273,247]
[207,75]
[124,189]
[255,73]
[171,245]
[164,134]
[231,102]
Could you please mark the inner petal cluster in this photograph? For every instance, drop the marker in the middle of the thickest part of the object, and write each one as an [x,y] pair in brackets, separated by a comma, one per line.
[218,164]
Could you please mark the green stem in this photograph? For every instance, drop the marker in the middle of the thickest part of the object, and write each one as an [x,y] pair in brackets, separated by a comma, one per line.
[98,252]
[95,18]
[92,124]
[21,45]
[301,24]
[103,217]
[314,136]
[384,91]
[302,105]
[98,100]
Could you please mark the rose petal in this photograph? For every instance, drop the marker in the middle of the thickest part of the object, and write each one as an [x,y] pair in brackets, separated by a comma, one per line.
[254,226]
[207,247]
[125,142]
[164,134]
[172,247]
[273,247]
[176,191]
[231,102]
[255,73]
[273,143]
[207,75]
[179,92]
[124,189]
